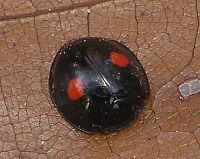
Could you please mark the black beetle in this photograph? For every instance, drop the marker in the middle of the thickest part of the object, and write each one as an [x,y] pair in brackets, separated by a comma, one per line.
[98,84]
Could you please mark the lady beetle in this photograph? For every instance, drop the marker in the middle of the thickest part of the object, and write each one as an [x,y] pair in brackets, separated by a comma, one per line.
[98,85]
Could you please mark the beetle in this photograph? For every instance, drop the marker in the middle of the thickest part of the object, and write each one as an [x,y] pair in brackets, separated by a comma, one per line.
[98,84]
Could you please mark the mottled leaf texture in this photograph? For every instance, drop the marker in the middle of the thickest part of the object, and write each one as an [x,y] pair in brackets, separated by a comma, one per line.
[165,36]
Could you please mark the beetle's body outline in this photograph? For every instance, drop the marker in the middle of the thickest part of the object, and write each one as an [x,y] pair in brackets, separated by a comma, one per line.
[110,76]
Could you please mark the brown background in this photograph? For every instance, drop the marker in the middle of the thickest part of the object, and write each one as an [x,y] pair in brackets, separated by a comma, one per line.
[163,33]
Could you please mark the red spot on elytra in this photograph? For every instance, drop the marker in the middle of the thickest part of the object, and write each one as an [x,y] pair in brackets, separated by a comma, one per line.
[75,89]
[119,59]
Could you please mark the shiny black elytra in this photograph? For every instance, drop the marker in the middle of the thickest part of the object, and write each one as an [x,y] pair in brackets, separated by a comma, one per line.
[98,85]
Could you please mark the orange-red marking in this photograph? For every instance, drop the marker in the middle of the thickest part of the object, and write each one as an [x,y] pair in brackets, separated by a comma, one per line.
[75,89]
[119,59]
